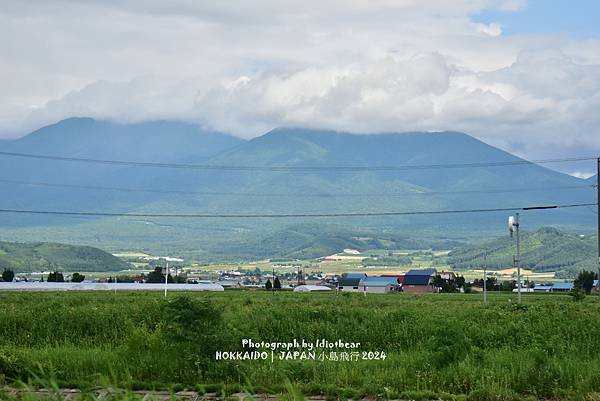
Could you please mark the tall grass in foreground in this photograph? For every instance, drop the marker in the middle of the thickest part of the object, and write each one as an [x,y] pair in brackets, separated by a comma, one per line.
[437,346]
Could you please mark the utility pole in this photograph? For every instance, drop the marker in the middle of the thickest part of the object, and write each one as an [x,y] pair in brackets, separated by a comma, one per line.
[166,277]
[301,276]
[513,227]
[518,259]
[598,213]
[485,277]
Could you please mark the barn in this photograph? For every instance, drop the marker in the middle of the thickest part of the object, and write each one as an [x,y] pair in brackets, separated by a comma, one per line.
[350,282]
[419,280]
[379,285]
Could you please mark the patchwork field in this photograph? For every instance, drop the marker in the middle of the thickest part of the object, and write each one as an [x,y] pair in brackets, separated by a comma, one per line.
[447,346]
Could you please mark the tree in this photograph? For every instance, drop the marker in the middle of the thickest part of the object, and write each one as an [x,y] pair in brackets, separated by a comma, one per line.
[448,285]
[585,281]
[268,285]
[8,275]
[124,279]
[77,278]
[56,277]
[276,284]
[438,281]
[156,276]
[460,282]
[491,284]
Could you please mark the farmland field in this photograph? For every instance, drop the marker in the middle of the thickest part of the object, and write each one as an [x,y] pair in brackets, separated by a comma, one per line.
[447,346]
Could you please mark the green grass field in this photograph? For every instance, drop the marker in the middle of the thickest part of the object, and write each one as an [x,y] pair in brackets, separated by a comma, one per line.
[447,346]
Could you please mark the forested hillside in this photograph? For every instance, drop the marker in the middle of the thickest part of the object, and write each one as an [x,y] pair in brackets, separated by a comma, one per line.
[45,256]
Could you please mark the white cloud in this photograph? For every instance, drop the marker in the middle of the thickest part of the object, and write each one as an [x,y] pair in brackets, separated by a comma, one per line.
[492,29]
[245,67]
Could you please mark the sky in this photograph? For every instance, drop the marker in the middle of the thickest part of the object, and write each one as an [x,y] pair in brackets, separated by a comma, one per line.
[523,75]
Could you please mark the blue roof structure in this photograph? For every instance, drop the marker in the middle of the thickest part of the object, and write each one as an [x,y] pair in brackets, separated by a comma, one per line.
[379,281]
[420,272]
[351,279]
[417,279]
[419,276]
[354,275]
[563,286]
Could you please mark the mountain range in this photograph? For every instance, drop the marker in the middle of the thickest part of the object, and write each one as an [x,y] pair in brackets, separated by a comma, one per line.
[284,171]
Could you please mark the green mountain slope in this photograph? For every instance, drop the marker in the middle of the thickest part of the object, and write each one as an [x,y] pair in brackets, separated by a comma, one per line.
[29,183]
[546,249]
[260,191]
[46,256]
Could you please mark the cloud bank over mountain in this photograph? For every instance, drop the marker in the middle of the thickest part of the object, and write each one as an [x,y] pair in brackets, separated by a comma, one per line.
[355,65]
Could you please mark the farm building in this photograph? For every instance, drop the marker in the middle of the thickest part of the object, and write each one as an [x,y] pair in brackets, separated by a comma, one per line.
[399,277]
[562,287]
[351,282]
[524,289]
[418,280]
[379,285]
[311,288]
[542,288]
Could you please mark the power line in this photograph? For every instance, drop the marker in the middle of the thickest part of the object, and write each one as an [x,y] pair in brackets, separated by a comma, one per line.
[296,168]
[175,191]
[288,194]
[293,215]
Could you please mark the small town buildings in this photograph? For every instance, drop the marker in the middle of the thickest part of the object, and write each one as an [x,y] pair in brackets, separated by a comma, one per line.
[418,280]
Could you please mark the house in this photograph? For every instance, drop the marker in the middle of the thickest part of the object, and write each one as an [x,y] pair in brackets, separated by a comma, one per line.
[562,287]
[447,275]
[418,280]
[379,285]
[351,282]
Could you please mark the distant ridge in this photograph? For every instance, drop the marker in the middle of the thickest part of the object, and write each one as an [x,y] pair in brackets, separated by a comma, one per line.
[270,192]
[48,256]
